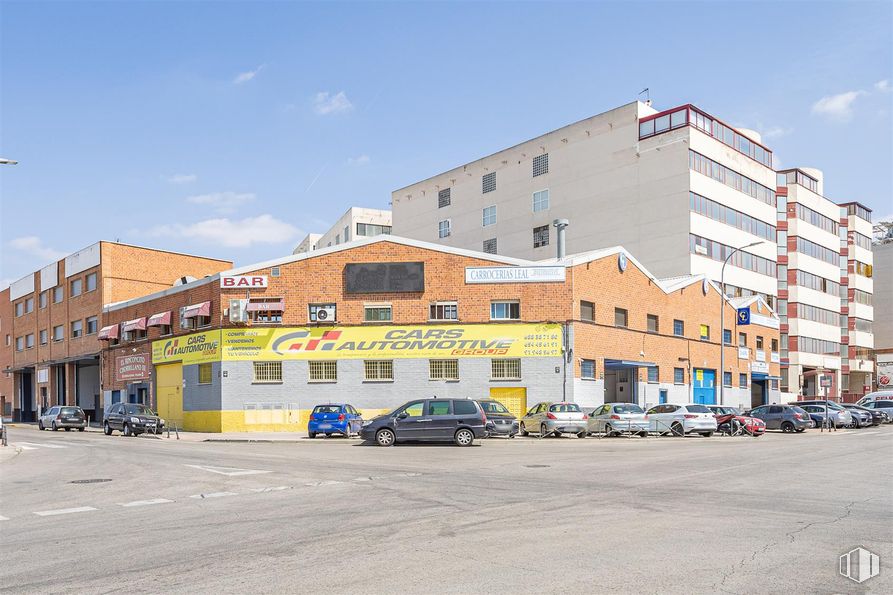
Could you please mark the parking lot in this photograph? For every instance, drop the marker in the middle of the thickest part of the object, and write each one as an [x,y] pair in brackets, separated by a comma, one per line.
[88,512]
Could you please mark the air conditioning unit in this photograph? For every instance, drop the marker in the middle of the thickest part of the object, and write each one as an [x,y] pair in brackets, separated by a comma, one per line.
[326,314]
[238,311]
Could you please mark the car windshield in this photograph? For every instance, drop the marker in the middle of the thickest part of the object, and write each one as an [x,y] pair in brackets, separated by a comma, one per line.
[493,407]
[564,408]
[136,409]
[70,410]
[697,409]
[627,409]
[327,409]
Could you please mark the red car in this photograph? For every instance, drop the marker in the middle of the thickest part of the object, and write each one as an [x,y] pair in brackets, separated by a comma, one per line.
[730,419]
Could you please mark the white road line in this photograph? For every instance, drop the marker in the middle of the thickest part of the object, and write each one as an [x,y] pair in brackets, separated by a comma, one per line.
[214,495]
[229,471]
[270,489]
[316,484]
[64,511]
[23,446]
[42,445]
[3,518]
[145,502]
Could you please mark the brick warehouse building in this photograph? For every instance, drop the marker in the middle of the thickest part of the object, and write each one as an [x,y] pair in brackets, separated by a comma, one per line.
[50,321]
[383,320]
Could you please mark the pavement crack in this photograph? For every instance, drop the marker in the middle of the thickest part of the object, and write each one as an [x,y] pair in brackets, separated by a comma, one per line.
[848,509]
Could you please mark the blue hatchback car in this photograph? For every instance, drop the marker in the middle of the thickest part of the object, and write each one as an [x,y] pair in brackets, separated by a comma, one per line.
[341,419]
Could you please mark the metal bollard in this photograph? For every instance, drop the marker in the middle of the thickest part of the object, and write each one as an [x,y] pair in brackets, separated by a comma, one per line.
[3,439]
[177,431]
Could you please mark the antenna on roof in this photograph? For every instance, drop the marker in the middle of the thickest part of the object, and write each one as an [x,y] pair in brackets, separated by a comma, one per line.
[647,93]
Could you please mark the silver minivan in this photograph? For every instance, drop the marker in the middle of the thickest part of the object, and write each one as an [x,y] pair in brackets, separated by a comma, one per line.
[62,416]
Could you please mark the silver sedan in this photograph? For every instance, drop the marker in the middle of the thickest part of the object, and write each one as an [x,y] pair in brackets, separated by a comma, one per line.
[547,419]
[616,418]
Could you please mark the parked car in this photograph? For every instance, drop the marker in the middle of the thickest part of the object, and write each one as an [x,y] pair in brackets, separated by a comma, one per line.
[787,418]
[615,418]
[132,419]
[839,418]
[884,395]
[500,421]
[63,417]
[680,420]
[862,418]
[331,419]
[549,419]
[731,419]
[835,411]
[429,420]
[878,417]
[882,405]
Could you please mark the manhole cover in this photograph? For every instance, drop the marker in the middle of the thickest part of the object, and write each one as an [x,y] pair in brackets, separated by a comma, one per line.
[90,480]
[537,466]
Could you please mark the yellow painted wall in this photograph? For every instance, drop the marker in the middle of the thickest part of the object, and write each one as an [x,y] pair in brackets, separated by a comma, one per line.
[238,421]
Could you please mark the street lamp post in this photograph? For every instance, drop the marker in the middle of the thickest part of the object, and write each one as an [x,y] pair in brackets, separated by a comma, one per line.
[722,322]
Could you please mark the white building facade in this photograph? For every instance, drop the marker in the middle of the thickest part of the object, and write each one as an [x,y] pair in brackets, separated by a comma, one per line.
[356,223]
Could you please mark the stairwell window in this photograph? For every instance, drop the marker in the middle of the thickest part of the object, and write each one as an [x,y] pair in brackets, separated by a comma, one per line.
[540,165]
[541,201]
[489,216]
[444,228]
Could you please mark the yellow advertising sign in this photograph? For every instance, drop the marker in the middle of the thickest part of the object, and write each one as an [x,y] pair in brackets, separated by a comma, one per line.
[190,349]
[392,342]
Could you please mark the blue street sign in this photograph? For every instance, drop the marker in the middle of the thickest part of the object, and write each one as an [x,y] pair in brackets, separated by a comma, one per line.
[743,316]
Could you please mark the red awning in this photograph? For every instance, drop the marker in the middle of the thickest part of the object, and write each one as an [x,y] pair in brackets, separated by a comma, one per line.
[276,306]
[108,332]
[160,319]
[202,309]
[137,324]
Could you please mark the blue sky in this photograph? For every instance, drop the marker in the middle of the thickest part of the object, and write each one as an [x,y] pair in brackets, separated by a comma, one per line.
[231,129]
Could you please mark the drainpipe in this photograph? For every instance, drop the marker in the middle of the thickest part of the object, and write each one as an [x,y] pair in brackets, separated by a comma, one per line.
[561,225]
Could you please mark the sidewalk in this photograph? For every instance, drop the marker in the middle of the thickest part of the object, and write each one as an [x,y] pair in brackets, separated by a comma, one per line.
[205,436]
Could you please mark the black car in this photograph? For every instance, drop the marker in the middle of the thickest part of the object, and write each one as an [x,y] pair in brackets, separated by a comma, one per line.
[429,420]
[500,421]
[132,419]
[877,417]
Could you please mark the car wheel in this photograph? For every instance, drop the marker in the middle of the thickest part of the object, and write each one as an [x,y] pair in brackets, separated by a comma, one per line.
[385,437]
[81,429]
[787,427]
[706,434]
[127,430]
[798,430]
[677,429]
[463,437]
[643,434]
[511,435]
[543,432]
[106,429]
[67,429]
[40,425]
[609,431]
[582,434]
[523,430]
[55,428]
[311,435]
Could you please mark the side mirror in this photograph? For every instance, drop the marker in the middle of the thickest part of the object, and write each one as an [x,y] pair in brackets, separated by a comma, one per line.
[402,415]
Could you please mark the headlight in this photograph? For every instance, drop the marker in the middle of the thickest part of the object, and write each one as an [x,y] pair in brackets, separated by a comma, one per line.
[135,420]
[161,421]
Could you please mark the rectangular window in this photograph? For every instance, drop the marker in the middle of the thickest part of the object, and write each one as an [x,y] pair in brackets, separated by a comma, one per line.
[540,236]
[759,342]
[76,287]
[58,333]
[58,294]
[705,332]
[721,252]
[20,343]
[265,310]
[378,370]
[43,337]
[20,309]
[719,212]
[540,165]
[620,317]
[347,233]
[730,177]
[269,371]
[742,380]
[326,371]
[29,305]
[774,345]
[505,369]
[274,271]
[490,246]
[678,328]
[489,216]
[443,369]
[322,312]
[29,341]
[727,337]
[727,379]
[774,384]
[77,328]
[742,339]
[205,370]
[444,228]
[653,323]
[91,282]
[444,311]
[587,311]
[653,374]
[678,375]
[541,201]
[369,230]
[377,313]
[505,311]
[443,198]
[488,182]
[43,300]
[587,369]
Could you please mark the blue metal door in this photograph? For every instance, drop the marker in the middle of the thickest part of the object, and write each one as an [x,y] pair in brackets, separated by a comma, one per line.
[704,387]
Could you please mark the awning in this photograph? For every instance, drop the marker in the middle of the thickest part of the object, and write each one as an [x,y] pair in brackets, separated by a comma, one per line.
[202,309]
[759,376]
[108,332]
[137,324]
[626,363]
[276,306]
[160,319]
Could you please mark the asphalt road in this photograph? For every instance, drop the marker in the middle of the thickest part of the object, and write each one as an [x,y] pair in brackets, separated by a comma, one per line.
[656,515]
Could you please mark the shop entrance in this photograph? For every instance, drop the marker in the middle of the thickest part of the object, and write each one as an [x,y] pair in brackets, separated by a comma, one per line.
[704,386]
[26,392]
[513,397]
[169,391]
[622,380]
[757,392]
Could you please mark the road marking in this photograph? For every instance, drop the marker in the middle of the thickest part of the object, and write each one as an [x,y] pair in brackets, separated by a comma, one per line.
[64,511]
[229,471]
[270,489]
[3,518]
[328,482]
[145,502]
[24,447]
[214,495]
[42,445]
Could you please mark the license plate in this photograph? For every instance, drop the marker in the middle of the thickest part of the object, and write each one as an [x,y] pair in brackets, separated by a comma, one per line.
[325,426]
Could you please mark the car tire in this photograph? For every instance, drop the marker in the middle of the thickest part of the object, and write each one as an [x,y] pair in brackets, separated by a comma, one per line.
[106,429]
[55,428]
[128,431]
[311,435]
[385,437]
[643,434]
[81,429]
[67,429]
[523,430]
[609,431]
[706,434]
[543,432]
[677,429]
[512,435]
[798,430]
[40,426]
[582,434]
[787,427]
[463,437]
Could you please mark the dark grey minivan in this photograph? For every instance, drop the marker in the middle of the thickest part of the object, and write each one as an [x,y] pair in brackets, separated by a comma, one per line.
[429,420]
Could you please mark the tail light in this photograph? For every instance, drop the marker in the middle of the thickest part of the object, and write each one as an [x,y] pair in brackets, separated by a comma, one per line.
[59,416]
[312,417]
[585,417]
[798,416]
[691,416]
[551,416]
[645,416]
[341,417]
[615,417]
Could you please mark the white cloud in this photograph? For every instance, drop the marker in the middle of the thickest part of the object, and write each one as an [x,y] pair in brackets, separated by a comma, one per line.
[181,178]
[882,86]
[837,107]
[244,77]
[776,132]
[232,233]
[222,202]
[34,246]
[359,160]
[326,103]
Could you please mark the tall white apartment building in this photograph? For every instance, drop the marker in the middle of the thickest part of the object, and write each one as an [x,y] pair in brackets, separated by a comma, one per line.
[355,223]
[857,309]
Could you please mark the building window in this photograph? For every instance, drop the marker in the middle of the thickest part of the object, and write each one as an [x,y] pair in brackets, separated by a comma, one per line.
[587,369]
[774,345]
[773,384]
[58,294]
[541,201]
[720,252]
[742,380]
[76,288]
[587,311]
[20,343]
[540,236]
[678,328]
[205,372]
[865,270]
[540,165]
[337,238]
[490,246]
[91,282]
[43,300]
[77,329]
[444,311]
[727,337]
[275,271]
[653,323]
[43,337]
[620,317]
[678,375]
[742,339]
[29,341]
[759,342]
[653,374]
[719,212]
[265,310]
[369,230]
[443,198]
[269,371]
[58,333]
[727,379]
[505,369]
[322,312]
[730,177]
[20,309]
[444,228]
[378,370]
[505,310]
[443,369]
[377,313]
[489,216]
[488,182]
[326,371]
[347,233]
[705,332]
[92,325]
